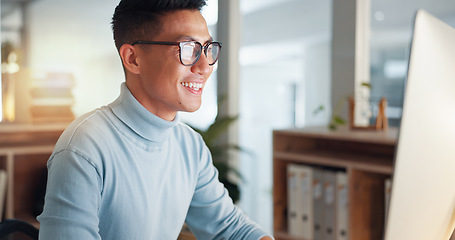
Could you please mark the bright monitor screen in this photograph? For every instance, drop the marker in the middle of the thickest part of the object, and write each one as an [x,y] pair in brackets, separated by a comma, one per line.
[422,201]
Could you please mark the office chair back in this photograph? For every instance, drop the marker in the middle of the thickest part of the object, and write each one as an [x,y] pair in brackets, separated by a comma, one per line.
[8,227]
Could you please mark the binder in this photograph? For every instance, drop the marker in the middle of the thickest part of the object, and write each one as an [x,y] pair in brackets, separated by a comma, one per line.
[328,230]
[342,206]
[306,204]
[387,192]
[300,201]
[318,203]
[292,199]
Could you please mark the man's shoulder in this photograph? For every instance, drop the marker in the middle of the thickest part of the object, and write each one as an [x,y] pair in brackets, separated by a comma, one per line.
[86,128]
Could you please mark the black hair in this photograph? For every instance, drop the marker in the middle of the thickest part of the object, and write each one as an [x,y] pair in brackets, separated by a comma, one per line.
[136,19]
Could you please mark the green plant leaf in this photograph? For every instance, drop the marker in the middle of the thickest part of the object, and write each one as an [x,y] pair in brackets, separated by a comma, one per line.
[366,84]
[233,189]
[332,126]
[223,169]
[318,110]
[217,128]
[339,120]
[220,153]
[238,174]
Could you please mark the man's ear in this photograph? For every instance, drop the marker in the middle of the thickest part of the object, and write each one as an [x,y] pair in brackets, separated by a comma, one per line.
[129,58]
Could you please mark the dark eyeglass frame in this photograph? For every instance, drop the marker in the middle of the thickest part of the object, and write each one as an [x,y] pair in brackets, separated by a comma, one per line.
[204,48]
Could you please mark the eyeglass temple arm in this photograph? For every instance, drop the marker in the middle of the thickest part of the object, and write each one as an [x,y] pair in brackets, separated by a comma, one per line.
[155,42]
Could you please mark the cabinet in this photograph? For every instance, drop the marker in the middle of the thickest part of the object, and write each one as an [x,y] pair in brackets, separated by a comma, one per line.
[366,156]
[24,151]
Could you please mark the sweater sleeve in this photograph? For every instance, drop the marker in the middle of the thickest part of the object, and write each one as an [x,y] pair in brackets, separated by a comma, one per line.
[212,214]
[72,199]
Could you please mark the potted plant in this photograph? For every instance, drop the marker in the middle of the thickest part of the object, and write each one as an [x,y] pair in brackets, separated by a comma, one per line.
[220,153]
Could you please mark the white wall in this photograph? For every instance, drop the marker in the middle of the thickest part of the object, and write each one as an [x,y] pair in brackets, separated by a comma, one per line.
[291,19]
[285,75]
[317,83]
[76,37]
[267,103]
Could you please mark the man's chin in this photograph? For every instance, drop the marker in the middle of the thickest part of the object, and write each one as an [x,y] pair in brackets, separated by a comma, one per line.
[191,109]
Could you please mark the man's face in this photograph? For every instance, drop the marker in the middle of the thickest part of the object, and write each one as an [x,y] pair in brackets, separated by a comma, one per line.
[162,75]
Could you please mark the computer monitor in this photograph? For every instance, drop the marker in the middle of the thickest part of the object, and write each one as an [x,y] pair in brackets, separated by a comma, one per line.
[422,204]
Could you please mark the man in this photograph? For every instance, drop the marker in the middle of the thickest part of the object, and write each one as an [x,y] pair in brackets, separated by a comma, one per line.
[130,170]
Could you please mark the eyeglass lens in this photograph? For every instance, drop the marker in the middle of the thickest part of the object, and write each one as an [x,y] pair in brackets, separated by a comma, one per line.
[190,52]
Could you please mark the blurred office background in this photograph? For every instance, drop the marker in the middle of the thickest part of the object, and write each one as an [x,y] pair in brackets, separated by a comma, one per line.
[284,66]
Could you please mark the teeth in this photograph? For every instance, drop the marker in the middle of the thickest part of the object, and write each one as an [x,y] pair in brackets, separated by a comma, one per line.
[195,86]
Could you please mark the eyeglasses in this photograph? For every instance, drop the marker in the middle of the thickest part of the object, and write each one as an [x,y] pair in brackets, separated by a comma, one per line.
[190,52]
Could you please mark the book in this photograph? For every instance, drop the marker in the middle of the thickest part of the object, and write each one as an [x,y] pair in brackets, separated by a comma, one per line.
[293,200]
[318,203]
[342,206]
[300,201]
[329,205]
[305,208]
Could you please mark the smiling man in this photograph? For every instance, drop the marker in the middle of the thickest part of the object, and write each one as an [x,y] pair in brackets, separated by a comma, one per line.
[131,170]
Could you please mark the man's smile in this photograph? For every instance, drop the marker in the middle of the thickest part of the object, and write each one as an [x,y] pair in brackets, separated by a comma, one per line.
[192,86]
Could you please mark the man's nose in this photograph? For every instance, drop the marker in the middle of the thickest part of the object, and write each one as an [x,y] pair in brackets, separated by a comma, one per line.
[202,65]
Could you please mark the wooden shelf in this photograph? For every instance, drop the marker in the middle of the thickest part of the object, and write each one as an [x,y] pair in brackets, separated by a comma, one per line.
[340,160]
[186,235]
[366,157]
[387,137]
[24,151]
[283,235]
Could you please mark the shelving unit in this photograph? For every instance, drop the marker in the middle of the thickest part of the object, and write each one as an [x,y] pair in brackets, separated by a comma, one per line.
[366,156]
[24,151]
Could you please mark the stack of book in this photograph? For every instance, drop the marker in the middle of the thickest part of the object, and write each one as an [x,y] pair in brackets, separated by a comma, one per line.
[52,98]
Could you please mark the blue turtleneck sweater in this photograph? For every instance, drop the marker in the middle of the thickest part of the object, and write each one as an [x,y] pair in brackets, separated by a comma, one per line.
[122,173]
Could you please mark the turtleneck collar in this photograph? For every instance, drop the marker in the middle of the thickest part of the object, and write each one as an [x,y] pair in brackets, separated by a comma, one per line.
[139,119]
